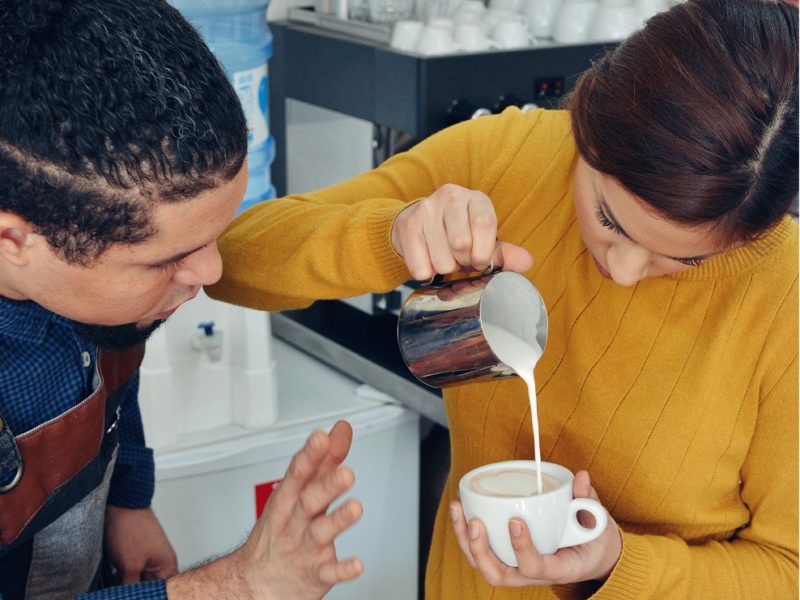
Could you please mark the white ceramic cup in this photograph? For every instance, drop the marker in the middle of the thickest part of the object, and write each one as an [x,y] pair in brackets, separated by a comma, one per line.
[445,22]
[573,21]
[405,35]
[541,16]
[614,20]
[552,517]
[514,6]
[512,34]
[434,41]
[469,11]
[493,17]
[469,37]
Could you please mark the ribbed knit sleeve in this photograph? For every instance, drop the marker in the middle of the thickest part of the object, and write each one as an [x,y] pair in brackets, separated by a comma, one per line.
[336,242]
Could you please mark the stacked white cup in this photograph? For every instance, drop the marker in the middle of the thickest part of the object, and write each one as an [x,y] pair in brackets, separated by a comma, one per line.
[541,16]
[574,20]
[469,27]
[406,34]
[614,20]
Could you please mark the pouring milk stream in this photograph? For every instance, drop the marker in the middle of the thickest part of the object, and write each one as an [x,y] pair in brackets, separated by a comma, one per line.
[522,357]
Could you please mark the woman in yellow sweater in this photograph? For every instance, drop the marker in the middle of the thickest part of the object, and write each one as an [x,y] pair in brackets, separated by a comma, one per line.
[655,211]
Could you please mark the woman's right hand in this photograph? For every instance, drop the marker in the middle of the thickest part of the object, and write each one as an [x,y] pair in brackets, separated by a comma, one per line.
[452,229]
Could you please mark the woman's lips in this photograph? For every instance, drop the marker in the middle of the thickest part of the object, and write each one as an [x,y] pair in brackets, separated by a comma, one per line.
[600,268]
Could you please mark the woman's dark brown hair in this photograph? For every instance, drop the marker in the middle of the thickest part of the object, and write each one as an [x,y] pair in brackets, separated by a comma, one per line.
[697,114]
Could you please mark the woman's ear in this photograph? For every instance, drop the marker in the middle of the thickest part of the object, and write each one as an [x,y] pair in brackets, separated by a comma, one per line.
[15,238]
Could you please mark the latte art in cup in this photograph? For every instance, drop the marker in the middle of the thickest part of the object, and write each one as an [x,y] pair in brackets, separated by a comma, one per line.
[512,483]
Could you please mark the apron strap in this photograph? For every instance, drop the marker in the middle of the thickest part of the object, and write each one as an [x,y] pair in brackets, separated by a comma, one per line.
[10,459]
[59,450]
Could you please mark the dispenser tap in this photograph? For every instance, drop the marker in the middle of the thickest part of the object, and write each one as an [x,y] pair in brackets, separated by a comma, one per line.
[208,341]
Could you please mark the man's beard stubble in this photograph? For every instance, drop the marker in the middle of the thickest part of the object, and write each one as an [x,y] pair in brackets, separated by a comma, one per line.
[115,337]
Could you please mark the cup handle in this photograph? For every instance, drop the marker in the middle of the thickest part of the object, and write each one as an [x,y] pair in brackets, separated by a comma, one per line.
[574,532]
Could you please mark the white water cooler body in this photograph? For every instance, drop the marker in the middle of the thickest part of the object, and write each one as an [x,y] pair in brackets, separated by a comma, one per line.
[210,484]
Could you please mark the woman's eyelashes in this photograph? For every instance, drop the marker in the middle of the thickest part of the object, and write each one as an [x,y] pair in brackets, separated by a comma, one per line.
[692,262]
[606,222]
[603,219]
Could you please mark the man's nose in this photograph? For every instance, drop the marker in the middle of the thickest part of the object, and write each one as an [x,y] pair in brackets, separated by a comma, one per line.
[203,267]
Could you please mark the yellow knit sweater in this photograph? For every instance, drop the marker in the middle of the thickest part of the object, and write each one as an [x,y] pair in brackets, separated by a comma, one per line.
[679,394]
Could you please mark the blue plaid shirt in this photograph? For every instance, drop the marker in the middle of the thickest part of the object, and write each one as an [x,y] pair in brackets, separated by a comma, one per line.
[46,370]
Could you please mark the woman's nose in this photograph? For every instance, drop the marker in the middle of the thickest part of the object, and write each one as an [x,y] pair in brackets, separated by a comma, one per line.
[203,267]
[628,262]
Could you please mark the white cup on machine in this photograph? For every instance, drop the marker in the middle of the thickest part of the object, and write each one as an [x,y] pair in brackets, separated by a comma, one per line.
[512,34]
[445,22]
[493,17]
[514,6]
[541,16]
[470,37]
[469,11]
[435,41]
[405,35]
[615,20]
[573,21]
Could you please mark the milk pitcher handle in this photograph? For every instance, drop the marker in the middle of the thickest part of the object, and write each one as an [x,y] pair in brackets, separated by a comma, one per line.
[494,267]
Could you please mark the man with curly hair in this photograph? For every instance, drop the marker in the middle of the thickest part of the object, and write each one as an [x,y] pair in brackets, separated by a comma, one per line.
[122,159]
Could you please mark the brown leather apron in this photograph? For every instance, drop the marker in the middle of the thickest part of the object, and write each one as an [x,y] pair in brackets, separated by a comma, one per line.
[63,461]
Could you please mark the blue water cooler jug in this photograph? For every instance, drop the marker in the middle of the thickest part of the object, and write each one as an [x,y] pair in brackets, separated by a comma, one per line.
[238,34]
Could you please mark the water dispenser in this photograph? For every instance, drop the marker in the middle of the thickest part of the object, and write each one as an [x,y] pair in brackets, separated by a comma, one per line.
[238,34]
[209,369]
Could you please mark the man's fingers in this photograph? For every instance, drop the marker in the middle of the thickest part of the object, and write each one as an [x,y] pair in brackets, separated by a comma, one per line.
[318,495]
[325,528]
[341,437]
[334,572]
[303,466]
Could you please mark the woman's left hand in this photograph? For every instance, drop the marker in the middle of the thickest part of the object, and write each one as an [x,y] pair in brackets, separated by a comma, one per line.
[591,561]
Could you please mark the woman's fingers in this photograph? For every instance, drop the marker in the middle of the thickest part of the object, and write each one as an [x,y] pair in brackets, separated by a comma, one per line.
[460,528]
[483,225]
[492,569]
[515,258]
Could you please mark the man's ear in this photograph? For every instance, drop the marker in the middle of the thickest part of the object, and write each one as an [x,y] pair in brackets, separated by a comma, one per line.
[15,238]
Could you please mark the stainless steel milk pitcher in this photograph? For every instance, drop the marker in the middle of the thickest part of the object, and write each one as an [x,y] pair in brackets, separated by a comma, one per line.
[441,329]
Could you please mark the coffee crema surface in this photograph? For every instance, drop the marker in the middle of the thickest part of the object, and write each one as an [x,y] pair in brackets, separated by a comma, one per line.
[512,483]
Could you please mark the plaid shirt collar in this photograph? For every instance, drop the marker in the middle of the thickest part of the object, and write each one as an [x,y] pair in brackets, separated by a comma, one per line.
[26,321]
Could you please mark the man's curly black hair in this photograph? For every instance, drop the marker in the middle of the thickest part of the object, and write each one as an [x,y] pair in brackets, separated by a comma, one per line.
[108,107]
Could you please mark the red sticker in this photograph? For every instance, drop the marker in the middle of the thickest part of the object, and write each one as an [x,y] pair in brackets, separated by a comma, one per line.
[263,492]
